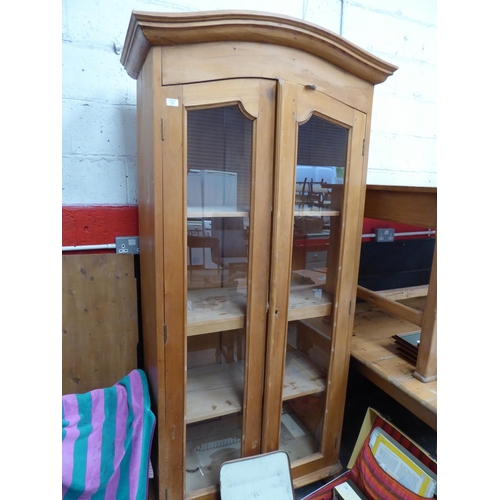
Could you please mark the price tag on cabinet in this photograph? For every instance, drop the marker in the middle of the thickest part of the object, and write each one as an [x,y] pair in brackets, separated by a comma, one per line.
[172,102]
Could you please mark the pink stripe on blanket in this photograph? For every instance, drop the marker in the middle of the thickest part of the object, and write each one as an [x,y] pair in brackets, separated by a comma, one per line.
[94,445]
[70,404]
[121,433]
[138,409]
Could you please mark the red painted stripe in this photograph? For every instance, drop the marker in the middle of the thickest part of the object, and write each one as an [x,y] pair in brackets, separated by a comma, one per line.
[97,225]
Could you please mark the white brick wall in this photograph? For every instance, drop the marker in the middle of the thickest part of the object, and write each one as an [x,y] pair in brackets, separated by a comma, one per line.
[99,131]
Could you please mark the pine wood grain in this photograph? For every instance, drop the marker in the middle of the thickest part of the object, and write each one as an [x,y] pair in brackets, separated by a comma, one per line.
[278,71]
[147,29]
[99,321]
[217,390]
[405,204]
[376,356]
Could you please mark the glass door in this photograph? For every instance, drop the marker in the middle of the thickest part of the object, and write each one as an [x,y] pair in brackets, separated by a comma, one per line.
[229,129]
[310,324]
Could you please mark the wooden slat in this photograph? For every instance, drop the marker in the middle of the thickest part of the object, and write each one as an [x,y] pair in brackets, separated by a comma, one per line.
[391,306]
[99,321]
[426,369]
[405,292]
[404,204]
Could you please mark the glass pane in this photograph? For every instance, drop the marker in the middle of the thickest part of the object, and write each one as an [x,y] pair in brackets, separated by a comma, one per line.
[321,163]
[219,158]
[214,404]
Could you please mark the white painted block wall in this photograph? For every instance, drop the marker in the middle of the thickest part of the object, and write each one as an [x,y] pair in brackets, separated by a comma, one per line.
[99,98]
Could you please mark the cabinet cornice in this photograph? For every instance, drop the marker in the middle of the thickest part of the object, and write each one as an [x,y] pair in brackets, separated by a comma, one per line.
[147,29]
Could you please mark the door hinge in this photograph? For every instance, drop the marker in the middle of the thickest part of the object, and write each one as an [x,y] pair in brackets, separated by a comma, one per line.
[350,304]
[166,494]
[363,152]
[162,131]
[164,334]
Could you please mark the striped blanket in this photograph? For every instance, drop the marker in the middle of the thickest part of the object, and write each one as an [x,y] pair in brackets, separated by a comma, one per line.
[106,441]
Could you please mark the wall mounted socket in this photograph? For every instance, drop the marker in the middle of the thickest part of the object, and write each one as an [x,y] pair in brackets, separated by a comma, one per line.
[383,235]
[127,244]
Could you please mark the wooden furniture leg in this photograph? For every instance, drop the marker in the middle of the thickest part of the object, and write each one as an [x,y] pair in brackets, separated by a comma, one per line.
[426,370]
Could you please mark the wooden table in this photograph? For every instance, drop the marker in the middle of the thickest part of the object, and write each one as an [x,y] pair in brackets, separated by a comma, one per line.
[375,355]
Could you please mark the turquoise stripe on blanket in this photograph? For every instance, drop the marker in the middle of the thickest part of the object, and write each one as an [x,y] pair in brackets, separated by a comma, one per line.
[108,442]
[107,435]
[124,483]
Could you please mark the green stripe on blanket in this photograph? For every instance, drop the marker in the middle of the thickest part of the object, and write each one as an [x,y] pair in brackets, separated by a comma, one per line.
[106,445]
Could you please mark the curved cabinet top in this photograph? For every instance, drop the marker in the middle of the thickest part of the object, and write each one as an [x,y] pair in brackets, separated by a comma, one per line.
[148,28]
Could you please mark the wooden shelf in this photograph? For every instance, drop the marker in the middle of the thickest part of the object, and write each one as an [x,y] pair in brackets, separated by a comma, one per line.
[215,310]
[315,211]
[206,213]
[302,376]
[210,212]
[304,304]
[221,309]
[214,391]
[217,390]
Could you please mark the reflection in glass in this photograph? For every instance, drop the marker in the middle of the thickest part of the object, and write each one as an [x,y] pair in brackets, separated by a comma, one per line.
[320,173]
[218,195]
[219,159]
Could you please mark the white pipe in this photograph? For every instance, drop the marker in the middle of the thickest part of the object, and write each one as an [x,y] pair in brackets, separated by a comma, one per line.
[112,246]
[341,18]
[411,233]
[415,233]
[90,247]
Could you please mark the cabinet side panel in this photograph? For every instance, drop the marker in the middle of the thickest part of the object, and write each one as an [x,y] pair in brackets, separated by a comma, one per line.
[174,277]
[151,238]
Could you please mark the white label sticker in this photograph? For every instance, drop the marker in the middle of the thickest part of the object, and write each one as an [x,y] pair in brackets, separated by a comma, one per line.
[172,102]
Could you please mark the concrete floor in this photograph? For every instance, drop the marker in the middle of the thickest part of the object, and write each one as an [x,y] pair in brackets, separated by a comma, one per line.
[362,394]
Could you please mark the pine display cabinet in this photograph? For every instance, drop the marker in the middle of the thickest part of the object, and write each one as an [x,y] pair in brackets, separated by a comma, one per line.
[253,134]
